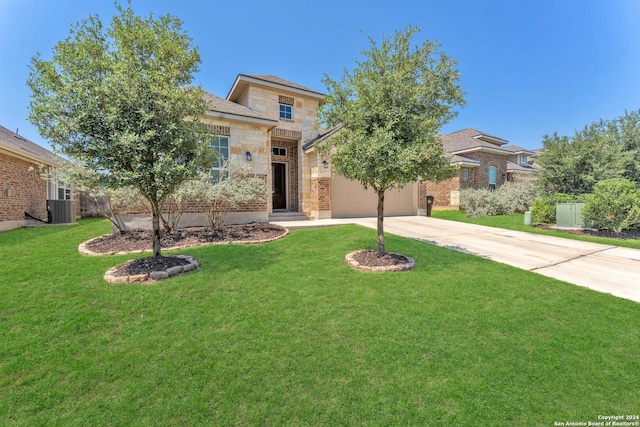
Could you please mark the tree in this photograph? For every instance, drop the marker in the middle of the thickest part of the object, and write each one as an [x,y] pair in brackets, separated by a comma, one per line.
[602,150]
[117,100]
[391,107]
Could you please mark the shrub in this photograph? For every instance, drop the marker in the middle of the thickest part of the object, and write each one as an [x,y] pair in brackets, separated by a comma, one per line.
[544,208]
[510,198]
[613,206]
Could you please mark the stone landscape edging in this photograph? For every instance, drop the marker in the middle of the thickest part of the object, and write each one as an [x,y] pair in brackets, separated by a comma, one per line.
[154,276]
[349,258]
[82,247]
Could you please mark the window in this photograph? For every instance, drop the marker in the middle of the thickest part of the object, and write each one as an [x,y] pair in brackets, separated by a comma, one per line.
[465,173]
[220,143]
[286,112]
[523,159]
[492,177]
[278,151]
[64,192]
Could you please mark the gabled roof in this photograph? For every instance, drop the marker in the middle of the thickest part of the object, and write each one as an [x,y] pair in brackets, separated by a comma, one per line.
[516,168]
[471,140]
[322,137]
[519,150]
[219,107]
[20,147]
[269,80]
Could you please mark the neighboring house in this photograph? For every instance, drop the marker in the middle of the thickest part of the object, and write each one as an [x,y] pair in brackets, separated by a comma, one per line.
[22,190]
[483,161]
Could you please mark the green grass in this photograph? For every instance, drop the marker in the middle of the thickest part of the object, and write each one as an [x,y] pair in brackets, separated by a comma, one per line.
[285,333]
[516,222]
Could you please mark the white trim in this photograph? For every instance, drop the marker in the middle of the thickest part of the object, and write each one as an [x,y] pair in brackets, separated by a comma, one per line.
[281,87]
[491,139]
[482,148]
[241,118]
[467,163]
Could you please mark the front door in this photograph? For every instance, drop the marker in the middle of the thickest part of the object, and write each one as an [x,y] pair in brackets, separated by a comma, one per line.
[279,185]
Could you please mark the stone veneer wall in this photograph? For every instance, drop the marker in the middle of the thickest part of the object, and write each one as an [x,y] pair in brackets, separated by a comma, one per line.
[302,128]
[291,160]
[28,190]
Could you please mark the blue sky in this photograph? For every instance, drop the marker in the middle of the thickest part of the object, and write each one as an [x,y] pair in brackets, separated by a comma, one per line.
[528,68]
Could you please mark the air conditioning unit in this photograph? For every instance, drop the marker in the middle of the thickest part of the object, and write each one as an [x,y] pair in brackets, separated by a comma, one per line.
[61,211]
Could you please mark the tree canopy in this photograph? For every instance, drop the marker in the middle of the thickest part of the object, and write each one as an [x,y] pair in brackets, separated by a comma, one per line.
[602,150]
[117,99]
[391,107]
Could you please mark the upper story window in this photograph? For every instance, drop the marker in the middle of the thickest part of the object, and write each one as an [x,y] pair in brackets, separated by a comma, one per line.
[523,159]
[220,143]
[286,112]
[493,172]
[285,104]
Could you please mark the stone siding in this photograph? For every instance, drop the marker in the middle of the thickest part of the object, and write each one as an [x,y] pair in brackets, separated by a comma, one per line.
[28,190]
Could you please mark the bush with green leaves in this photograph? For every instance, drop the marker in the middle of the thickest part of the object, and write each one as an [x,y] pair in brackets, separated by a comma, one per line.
[613,206]
[543,209]
[514,197]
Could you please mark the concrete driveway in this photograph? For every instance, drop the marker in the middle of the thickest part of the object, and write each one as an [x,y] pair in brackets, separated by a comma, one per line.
[603,268]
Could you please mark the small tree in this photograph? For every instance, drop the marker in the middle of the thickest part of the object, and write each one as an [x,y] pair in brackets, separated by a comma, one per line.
[391,107]
[115,100]
[237,186]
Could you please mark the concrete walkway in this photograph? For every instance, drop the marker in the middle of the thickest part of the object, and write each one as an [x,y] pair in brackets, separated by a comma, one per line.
[603,268]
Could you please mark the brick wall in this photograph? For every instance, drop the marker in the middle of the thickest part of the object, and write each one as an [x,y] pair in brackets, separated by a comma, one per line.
[321,194]
[28,190]
[441,191]
[487,160]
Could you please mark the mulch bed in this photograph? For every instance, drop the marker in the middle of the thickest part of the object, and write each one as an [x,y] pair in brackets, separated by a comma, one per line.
[149,264]
[372,259]
[137,240]
[625,235]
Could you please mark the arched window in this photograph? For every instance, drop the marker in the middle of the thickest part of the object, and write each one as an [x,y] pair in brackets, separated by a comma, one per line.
[492,177]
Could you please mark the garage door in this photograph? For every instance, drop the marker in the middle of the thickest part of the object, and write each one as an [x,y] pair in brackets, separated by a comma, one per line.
[349,199]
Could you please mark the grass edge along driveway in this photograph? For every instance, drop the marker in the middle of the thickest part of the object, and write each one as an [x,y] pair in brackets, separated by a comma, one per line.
[285,333]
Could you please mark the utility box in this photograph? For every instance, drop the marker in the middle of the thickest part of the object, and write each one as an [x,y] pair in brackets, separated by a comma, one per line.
[61,211]
[569,215]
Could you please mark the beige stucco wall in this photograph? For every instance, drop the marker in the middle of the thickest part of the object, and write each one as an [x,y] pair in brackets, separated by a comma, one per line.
[349,199]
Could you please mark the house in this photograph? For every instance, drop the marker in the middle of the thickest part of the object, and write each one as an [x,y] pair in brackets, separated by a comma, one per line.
[483,161]
[22,190]
[270,122]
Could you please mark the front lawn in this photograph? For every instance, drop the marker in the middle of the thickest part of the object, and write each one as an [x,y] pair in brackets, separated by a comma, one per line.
[285,333]
[516,222]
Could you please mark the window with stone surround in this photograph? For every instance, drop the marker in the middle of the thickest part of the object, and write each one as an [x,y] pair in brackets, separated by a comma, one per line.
[286,107]
[220,143]
[286,112]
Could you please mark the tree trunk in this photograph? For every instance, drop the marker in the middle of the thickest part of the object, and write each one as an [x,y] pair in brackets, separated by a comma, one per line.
[381,223]
[155,222]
